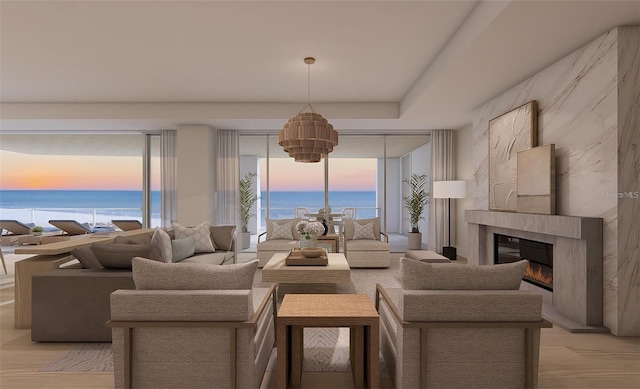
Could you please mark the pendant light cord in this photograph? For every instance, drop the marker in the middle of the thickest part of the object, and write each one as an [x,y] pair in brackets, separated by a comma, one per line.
[308,87]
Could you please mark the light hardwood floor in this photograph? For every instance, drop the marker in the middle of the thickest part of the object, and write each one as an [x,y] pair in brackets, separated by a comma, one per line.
[566,360]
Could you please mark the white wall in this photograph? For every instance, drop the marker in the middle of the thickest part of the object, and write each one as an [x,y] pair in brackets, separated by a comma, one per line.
[464,171]
[196,174]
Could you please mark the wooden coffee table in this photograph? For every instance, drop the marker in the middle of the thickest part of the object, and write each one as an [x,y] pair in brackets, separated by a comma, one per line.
[355,311]
[307,279]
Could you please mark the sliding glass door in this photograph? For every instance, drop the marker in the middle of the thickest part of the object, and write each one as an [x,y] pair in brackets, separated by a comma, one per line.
[364,175]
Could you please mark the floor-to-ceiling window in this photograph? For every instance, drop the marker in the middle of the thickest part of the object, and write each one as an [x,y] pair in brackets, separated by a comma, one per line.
[90,177]
[365,172]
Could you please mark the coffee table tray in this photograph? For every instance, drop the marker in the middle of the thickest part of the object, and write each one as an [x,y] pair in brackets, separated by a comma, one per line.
[296,258]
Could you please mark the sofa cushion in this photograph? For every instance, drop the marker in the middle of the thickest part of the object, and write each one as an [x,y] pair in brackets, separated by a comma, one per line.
[200,233]
[161,248]
[277,245]
[367,245]
[134,239]
[222,237]
[86,257]
[418,275]
[118,255]
[153,275]
[294,232]
[349,228]
[363,231]
[217,258]
[182,248]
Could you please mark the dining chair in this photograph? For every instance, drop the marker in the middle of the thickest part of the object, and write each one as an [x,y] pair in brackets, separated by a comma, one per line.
[302,213]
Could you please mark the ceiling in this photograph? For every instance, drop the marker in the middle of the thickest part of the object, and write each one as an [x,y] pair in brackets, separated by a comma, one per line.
[382,66]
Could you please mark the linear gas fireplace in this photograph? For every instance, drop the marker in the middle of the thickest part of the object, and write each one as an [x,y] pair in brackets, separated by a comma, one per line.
[509,249]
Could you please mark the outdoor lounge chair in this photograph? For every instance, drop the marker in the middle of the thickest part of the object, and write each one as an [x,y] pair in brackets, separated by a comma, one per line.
[12,230]
[71,227]
[127,225]
[14,227]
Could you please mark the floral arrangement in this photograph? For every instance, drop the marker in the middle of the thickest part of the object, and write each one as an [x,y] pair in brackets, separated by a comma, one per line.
[306,229]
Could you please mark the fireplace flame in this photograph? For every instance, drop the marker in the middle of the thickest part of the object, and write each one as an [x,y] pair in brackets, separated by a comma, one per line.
[538,275]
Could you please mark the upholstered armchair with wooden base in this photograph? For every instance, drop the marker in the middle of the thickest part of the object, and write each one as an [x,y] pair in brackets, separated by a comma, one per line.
[280,237]
[364,244]
[218,335]
[435,333]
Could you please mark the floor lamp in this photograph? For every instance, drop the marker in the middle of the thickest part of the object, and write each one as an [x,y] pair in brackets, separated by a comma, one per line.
[449,190]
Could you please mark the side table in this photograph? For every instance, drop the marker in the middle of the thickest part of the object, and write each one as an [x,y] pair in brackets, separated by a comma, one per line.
[355,311]
[332,239]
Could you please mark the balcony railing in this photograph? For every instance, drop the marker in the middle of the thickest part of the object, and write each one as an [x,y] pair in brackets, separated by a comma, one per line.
[93,216]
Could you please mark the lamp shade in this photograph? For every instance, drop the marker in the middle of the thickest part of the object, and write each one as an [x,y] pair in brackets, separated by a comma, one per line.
[449,189]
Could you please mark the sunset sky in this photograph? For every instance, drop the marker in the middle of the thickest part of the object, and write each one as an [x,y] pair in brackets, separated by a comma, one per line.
[288,175]
[23,171]
[41,172]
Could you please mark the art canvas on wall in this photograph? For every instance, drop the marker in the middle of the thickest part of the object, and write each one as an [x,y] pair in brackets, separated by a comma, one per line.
[537,180]
[509,133]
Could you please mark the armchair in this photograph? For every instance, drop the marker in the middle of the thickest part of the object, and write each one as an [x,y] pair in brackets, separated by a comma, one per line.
[280,237]
[364,244]
[435,332]
[192,338]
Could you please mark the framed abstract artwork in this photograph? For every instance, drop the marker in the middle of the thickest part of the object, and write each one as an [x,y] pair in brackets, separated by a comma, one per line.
[509,133]
[537,180]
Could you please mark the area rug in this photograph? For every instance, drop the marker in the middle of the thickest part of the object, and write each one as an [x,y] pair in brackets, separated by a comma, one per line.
[325,349]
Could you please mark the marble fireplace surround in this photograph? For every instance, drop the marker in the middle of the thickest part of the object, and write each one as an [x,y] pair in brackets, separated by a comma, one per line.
[576,301]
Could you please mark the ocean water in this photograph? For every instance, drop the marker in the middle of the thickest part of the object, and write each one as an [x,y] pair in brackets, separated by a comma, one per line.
[86,206]
[100,206]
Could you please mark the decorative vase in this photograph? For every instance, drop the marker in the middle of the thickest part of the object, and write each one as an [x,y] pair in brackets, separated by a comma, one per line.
[326,226]
[311,242]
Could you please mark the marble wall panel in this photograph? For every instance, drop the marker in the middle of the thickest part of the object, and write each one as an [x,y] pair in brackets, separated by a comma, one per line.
[629,180]
[578,111]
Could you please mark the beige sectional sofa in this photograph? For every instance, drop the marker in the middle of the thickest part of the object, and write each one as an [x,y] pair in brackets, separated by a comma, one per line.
[72,304]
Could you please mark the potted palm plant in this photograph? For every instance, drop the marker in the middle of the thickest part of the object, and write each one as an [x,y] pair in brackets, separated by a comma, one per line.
[415,202]
[247,199]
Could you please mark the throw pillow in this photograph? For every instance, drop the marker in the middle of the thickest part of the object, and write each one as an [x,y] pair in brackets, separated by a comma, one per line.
[349,227]
[86,257]
[281,231]
[294,232]
[363,231]
[182,248]
[153,275]
[223,237]
[200,233]
[161,249]
[417,275]
[119,255]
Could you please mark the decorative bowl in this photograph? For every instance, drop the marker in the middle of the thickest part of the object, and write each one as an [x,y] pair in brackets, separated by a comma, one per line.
[312,252]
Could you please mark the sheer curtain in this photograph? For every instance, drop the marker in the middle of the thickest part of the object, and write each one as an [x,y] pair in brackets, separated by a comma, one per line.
[442,169]
[168,162]
[228,179]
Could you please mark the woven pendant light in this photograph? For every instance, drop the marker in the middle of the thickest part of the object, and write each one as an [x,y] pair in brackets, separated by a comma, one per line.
[308,137]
